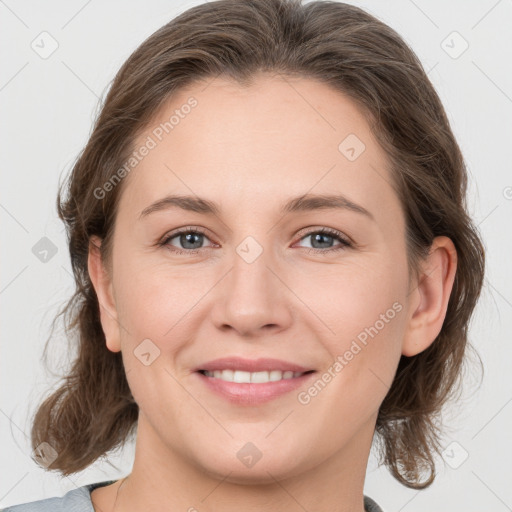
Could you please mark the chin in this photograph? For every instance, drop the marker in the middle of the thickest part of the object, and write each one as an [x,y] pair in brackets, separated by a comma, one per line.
[260,474]
[245,464]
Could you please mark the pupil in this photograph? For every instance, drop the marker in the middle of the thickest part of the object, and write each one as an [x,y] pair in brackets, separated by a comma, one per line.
[186,238]
[321,236]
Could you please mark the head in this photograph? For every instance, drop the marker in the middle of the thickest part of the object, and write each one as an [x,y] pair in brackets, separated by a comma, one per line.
[253,106]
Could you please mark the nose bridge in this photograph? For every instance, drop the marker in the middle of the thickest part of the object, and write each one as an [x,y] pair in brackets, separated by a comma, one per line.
[252,296]
[251,280]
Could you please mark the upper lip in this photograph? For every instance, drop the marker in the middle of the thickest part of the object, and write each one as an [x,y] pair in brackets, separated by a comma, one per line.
[251,365]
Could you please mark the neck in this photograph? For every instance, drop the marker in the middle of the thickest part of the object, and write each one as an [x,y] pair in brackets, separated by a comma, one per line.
[165,479]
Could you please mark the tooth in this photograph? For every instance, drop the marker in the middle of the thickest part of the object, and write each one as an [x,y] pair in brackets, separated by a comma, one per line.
[259,377]
[228,375]
[275,375]
[241,376]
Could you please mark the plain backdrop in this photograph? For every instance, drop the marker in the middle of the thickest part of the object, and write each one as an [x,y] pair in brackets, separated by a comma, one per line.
[48,104]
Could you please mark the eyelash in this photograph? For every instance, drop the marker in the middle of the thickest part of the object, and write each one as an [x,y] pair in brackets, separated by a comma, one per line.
[189,230]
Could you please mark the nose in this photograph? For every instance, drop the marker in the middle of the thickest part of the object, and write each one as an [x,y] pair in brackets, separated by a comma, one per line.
[252,299]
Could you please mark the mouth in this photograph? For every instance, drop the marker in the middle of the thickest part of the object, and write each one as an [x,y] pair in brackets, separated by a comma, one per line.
[249,389]
[244,377]
[243,381]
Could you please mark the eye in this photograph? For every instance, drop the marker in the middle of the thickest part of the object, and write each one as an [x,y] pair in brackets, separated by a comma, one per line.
[324,237]
[190,239]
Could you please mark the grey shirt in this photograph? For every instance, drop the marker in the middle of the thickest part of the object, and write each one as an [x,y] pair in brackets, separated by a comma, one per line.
[79,500]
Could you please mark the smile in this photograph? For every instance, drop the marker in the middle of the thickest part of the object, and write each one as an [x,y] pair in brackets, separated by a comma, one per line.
[243,388]
[252,377]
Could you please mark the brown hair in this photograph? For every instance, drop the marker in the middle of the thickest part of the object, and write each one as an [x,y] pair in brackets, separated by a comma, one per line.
[93,411]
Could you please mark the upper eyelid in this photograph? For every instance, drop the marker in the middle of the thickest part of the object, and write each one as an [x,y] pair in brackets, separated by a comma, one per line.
[180,231]
[305,233]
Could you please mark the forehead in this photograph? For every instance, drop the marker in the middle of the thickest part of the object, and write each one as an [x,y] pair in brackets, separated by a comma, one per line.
[276,138]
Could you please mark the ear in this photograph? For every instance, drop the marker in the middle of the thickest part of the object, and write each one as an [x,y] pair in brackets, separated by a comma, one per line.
[102,283]
[430,297]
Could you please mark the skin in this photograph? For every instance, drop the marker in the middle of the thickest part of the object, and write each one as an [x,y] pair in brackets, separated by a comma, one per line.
[250,150]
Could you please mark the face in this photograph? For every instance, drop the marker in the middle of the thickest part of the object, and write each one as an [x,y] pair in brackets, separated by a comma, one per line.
[318,284]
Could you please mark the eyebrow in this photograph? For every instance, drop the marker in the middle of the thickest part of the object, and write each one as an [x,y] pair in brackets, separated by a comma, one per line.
[306,202]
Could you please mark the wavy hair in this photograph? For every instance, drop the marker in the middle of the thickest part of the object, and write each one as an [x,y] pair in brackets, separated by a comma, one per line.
[93,410]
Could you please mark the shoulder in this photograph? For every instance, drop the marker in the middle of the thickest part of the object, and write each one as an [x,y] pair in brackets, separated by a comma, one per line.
[76,500]
[369,505]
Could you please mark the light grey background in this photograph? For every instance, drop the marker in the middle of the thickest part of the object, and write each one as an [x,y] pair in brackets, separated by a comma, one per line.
[47,108]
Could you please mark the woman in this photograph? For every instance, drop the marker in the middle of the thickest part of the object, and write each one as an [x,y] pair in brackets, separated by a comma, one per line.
[324,298]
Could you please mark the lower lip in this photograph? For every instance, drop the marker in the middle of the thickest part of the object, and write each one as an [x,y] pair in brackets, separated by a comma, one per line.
[251,393]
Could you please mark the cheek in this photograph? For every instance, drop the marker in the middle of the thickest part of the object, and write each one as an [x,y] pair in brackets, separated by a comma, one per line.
[368,321]
[365,311]
[151,303]
[153,298]
[351,298]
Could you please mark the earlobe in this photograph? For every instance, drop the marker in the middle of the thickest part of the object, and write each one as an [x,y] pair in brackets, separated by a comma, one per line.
[432,295]
[102,284]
